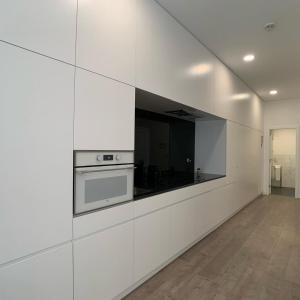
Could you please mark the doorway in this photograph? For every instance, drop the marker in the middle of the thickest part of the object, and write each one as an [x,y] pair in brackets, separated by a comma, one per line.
[283,161]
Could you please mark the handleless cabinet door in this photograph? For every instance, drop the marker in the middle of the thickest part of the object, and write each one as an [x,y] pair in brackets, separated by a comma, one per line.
[104,113]
[47,26]
[36,130]
[183,225]
[45,276]
[106,37]
[103,263]
[170,62]
[151,242]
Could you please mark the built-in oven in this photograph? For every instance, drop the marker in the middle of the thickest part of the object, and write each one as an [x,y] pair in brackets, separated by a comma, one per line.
[102,179]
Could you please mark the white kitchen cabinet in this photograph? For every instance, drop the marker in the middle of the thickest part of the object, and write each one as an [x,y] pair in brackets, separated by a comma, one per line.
[233,100]
[211,209]
[36,129]
[152,237]
[204,220]
[170,62]
[215,207]
[244,157]
[106,37]
[103,263]
[102,219]
[47,27]
[104,113]
[183,224]
[45,276]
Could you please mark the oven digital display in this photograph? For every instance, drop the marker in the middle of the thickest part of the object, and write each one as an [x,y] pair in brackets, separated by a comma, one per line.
[108,157]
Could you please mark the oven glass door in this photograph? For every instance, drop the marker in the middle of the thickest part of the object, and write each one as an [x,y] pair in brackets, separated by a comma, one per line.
[98,187]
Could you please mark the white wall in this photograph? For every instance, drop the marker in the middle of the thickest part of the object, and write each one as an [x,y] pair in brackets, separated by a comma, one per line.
[280,114]
[284,141]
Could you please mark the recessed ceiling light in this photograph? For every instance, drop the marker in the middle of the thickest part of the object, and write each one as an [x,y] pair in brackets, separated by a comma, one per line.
[249,57]
[273,92]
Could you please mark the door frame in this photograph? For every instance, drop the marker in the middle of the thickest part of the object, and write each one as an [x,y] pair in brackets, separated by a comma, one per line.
[267,143]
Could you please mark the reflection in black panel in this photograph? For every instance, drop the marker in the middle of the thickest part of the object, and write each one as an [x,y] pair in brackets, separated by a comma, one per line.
[164,149]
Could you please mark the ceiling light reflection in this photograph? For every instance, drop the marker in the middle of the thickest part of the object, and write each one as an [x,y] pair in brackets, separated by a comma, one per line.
[249,57]
[241,96]
[273,92]
[201,69]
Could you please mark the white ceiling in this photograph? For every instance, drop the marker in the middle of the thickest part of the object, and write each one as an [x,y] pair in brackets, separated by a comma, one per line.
[233,28]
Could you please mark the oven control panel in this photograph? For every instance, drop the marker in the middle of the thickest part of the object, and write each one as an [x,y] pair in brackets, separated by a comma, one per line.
[96,158]
[106,157]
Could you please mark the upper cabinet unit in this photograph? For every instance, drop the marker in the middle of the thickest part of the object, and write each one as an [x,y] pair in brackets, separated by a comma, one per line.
[36,129]
[104,113]
[106,38]
[47,27]
[170,62]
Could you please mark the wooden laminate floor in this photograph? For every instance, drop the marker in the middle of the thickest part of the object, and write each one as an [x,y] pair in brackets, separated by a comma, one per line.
[255,255]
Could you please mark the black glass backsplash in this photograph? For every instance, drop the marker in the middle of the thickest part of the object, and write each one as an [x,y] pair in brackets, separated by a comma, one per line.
[164,147]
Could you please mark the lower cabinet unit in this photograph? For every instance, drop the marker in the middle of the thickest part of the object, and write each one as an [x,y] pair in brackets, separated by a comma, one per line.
[152,235]
[183,224]
[203,220]
[112,261]
[45,276]
[103,263]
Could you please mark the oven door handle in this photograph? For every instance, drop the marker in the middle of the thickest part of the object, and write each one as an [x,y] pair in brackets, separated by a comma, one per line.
[84,170]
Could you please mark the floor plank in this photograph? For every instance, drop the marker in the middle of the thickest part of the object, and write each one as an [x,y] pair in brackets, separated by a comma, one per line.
[253,256]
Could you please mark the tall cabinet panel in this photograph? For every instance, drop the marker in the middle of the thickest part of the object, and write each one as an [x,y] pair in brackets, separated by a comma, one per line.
[47,26]
[244,148]
[36,129]
[106,37]
[170,62]
[104,113]
[45,276]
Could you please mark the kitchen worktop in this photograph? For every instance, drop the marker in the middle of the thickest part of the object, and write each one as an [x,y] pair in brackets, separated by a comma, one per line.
[161,183]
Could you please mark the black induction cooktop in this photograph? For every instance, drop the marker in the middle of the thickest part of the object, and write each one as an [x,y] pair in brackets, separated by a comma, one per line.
[146,186]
